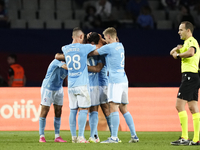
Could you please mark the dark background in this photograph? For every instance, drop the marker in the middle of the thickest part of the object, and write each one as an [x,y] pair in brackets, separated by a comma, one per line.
[147,63]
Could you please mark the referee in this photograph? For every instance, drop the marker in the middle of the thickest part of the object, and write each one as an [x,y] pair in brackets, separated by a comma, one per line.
[189,53]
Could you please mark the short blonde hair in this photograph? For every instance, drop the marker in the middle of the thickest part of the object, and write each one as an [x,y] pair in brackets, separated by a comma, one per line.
[110,31]
[77,32]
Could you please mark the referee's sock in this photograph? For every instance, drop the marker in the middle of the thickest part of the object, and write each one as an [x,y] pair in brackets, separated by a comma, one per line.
[184,124]
[72,121]
[42,124]
[130,123]
[82,118]
[196,125]
[93,121]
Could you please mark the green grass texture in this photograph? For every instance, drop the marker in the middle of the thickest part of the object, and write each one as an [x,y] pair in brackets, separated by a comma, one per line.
[28,140]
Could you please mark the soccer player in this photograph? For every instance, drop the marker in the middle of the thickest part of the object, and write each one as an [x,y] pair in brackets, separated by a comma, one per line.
[75,55]
[188,90]
[98,87]
[52,92]
[117,84]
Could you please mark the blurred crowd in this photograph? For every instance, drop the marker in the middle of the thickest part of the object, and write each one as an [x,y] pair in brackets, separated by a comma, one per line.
[140,13]
[133,13]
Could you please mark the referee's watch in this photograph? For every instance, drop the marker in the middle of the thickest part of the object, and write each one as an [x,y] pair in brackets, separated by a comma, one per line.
[177,56]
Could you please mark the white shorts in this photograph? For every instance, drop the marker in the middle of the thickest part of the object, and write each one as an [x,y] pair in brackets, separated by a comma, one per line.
[103,93]
[48,97]
[79,97]
[94,95]
[118,93]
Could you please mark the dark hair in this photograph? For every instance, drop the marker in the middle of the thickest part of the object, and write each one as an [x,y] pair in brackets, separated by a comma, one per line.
[85,39]
[94,37]
[14,56]
[188,25]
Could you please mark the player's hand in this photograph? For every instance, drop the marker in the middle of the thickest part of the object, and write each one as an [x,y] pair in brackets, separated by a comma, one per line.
[179,46]
[64,67]
[174,55]
[88,35]
[173,50]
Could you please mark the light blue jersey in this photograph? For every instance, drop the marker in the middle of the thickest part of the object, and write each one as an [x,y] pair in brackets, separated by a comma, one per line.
[55,75]
[114,61]
[76,60]
[93,76]
[103,78]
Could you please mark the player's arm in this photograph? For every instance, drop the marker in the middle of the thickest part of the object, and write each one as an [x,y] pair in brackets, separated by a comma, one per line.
[60,56]
[189,53]
[64,67]
[176,49]
[96,68]
[92,53]
[102,39]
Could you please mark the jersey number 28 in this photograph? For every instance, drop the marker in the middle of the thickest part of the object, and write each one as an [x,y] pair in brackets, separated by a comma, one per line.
[75,60]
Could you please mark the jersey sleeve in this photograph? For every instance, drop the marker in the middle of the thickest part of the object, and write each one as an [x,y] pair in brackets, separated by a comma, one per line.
[63,48]
[89,48]
[103,50]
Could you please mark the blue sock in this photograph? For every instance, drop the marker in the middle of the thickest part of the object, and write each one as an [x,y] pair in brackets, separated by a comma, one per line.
[93,121]
[72,121]
[130,123]
[82,118]
[42,124]
[109,122]
[57,122]
[114,124]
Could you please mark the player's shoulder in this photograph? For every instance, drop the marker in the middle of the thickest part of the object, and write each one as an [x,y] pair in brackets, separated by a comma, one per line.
[191,40]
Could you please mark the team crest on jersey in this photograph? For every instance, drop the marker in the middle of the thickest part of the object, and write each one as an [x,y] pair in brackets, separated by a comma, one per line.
[45,100]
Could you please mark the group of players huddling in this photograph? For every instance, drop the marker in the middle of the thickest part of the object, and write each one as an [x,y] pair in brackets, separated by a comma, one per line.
[96,76]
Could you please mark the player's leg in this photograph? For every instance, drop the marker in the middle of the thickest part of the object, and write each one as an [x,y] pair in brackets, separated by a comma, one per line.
[84,103]
[126,114]
[106,111]
[104,104]
[72,124]
[82,119]
[114,99]
[73,104]
[114,107]
[46,100]
[183,117]
[188,91]
[57,123]
[93,121]
[193,106]
[93,112]
[129,121]
[58,103]
[114,118]
[42,122]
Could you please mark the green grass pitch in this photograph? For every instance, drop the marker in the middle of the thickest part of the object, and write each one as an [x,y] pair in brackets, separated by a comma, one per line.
[22,140]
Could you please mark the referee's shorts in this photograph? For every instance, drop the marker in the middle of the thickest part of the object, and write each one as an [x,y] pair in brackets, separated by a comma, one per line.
[189,87]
